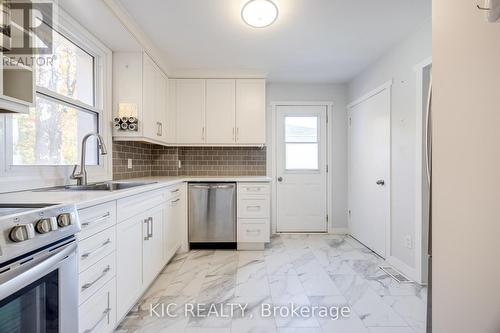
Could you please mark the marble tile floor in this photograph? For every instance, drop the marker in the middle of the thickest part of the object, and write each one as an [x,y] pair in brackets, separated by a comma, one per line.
[308,270]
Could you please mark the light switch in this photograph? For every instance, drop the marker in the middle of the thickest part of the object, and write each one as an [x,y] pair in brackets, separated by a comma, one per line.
[129,164]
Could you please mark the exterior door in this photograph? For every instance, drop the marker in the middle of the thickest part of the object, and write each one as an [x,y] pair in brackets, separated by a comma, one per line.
[301,168]
[369,171]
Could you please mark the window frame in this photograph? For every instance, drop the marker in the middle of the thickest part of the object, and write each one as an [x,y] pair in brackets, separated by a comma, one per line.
[21,177]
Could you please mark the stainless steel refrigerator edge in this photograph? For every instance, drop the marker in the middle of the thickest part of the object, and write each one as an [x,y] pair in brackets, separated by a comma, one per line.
[212,212]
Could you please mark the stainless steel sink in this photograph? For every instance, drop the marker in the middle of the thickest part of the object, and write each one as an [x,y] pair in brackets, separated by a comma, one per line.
[107,186]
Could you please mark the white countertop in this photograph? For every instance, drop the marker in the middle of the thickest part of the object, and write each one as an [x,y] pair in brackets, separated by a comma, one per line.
[90,198]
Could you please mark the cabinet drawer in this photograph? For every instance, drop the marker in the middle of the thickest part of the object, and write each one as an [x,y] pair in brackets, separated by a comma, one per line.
[174,191]
[98,313]
[137,204]
[254,207]
[97,218]
[93,249]
[251,231]
[253,188]
[96,276]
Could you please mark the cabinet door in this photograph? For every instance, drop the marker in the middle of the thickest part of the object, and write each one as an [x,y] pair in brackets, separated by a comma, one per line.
[161,105]
[251,111]
[191,111]
[221,111]
[153,244]
[172,228]
[128,263]
[171,116]
[149,121]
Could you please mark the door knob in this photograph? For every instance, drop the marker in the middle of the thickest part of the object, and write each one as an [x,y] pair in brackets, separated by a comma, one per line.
[381,182]
[280,179]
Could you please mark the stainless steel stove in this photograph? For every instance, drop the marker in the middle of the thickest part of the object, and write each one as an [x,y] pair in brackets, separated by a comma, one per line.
[38,268]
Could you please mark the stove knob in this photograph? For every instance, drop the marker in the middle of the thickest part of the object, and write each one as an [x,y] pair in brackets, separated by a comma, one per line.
[21,233]
[64,220]
[46,225]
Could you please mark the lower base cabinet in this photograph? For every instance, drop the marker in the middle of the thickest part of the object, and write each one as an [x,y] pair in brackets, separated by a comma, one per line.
[152,244]
[128,263]
[98,314]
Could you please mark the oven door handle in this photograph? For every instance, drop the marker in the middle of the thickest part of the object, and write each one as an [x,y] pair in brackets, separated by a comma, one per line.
[22,276]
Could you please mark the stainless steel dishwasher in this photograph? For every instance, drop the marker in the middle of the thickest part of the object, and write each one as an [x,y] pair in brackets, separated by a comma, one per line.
[212,215]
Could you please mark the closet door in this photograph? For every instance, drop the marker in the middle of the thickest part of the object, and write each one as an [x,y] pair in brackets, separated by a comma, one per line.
[221,111]
[191,111]
[251,111]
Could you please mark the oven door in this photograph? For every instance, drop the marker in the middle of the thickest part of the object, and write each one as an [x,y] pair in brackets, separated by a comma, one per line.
[39,294]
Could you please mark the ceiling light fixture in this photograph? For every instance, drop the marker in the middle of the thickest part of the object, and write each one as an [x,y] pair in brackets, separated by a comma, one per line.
[259,13]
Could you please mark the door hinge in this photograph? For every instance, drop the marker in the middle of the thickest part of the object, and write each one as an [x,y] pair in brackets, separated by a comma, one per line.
[350,121]
[327,118]
[349,212]
[327,168]
[326,217]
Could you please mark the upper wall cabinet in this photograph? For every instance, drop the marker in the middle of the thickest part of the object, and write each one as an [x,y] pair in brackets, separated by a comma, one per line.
[220,111]
[140,91]
[250,111]
[190,103]
[17,86]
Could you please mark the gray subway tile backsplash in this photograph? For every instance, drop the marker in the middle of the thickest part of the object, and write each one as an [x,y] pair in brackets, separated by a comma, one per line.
[154,160]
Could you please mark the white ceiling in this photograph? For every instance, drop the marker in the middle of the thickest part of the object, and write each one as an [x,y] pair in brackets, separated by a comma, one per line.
[312,40]
[96,17]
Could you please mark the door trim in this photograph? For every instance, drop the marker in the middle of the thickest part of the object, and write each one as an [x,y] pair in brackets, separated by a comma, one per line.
[416,274]
[274,159]
[385,86]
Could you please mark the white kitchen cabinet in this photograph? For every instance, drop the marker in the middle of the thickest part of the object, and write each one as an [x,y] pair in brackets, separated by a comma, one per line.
[140,90]
[225,112]
[152,253]
[220,111]
[98,314]
[129,263]
[250,111]
[190,101]
[17,86]
[171,115]
[253,215]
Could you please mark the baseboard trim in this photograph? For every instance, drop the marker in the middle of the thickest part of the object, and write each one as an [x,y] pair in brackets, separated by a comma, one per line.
[404,268]
[340,231]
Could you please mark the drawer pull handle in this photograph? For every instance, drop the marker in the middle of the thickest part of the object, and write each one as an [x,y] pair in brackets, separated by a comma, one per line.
[175,201]
[99,219]
[253,189]
[253,208]
[174,191]
[148,235]
[90,284]
[97,249]
[105,314]
[257,231]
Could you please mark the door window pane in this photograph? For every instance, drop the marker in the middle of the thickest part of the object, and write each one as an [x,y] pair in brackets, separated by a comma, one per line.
[301,143]
[301,129]
[51,134]
[69,71]
[302,156]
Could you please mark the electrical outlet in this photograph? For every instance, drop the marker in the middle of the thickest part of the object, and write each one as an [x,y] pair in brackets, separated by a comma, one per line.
[408,242]
[129,163]
[180,163]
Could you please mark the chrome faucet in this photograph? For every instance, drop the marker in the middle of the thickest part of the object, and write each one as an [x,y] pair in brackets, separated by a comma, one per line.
[81,177]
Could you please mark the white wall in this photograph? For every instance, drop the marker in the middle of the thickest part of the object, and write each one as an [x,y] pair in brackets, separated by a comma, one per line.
[398,64]
[466,169]
[336,93]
